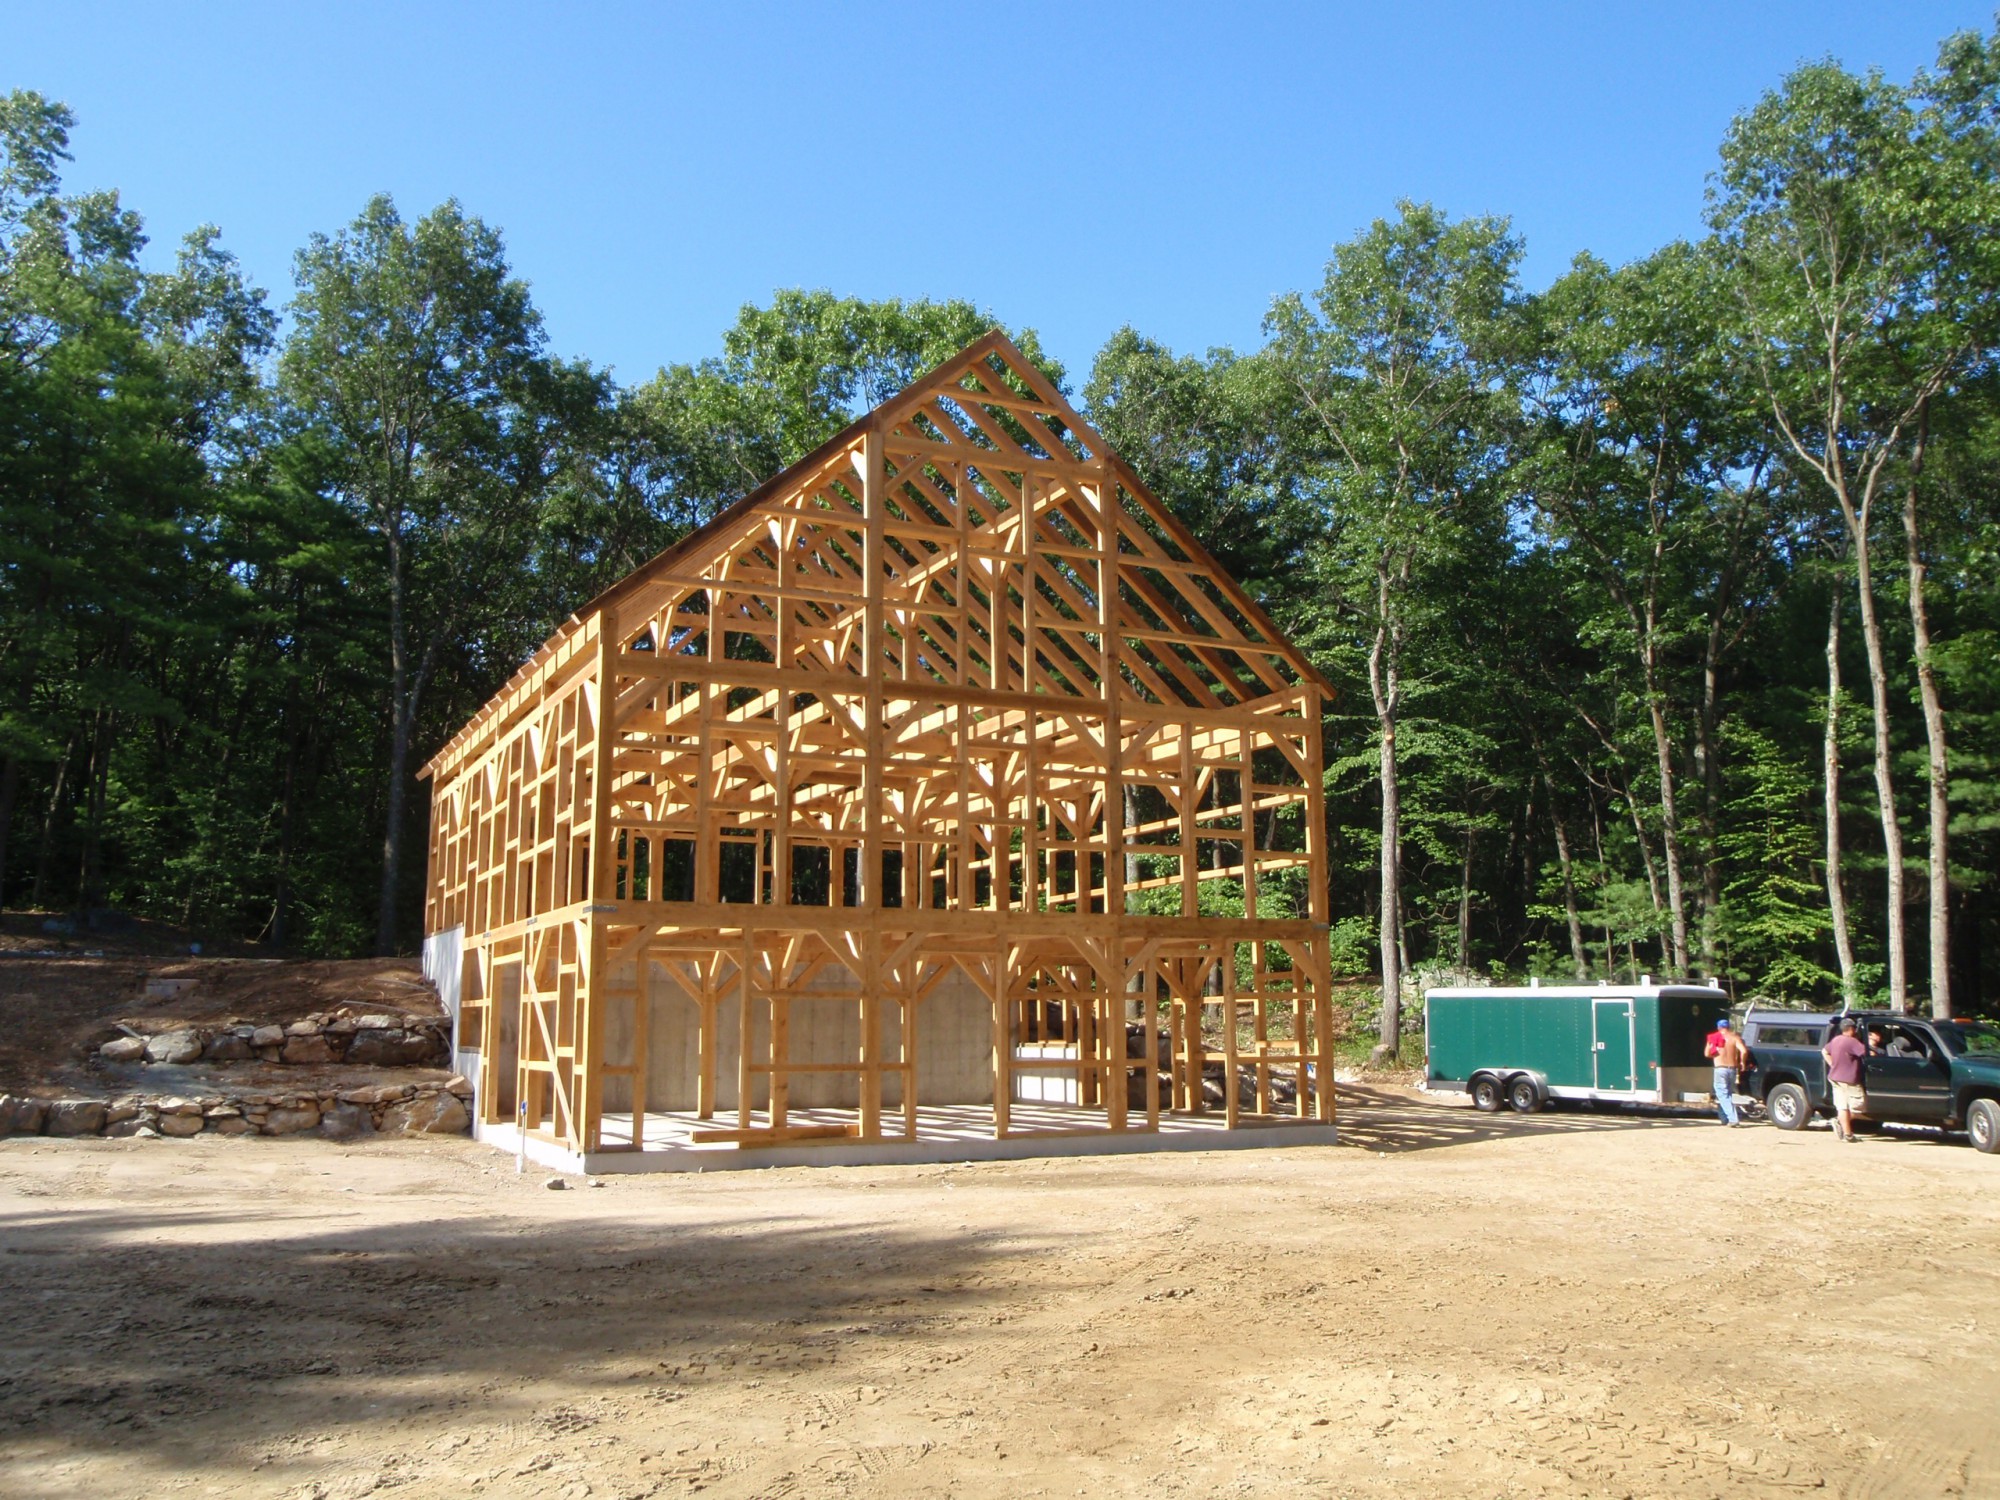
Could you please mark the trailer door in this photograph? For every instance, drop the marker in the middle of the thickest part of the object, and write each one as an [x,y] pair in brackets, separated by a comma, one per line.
[1611,1021]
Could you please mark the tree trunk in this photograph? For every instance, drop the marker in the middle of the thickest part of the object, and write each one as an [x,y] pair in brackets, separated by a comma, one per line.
[400,731]
[1597,833]
[10,788]
[1707,753]
[1577,953]
[1836,893]
[1652,869]
[1885,787]
[90,872]
[45,854]
[1940,769]
[1392,898]
[1670,832]
[282,898]
[1670,838]
[1384,682]
[1465,901]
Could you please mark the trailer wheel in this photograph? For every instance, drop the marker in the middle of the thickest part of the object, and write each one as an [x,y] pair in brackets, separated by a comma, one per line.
[1525,1095]
[1788,1107]
[1487,1095]
[1982,1124]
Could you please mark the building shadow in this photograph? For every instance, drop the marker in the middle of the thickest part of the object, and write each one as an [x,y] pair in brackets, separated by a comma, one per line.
[165,1336]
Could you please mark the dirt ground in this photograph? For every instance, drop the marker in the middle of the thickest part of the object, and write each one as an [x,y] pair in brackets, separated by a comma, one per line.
[1446,1304]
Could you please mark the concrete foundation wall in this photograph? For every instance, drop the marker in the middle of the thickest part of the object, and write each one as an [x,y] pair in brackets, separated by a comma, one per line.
[442,967]
[954,1045]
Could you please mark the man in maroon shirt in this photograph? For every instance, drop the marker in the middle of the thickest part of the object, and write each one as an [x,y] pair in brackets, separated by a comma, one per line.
[1844,1056]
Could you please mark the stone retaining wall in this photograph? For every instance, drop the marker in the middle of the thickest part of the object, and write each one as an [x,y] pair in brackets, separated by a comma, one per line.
[360,1041]
[333,1114]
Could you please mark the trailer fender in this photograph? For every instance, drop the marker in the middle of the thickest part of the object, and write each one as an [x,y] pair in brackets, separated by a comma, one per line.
[1527,1091]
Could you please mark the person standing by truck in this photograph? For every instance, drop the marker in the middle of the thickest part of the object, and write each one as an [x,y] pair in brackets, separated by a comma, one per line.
[1845,1055]
[1726,1050]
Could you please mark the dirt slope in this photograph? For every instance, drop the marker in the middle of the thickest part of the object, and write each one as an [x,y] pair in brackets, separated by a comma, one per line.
[59,994]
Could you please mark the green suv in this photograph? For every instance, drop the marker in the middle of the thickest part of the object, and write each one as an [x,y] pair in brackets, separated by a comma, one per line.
[1919,1071]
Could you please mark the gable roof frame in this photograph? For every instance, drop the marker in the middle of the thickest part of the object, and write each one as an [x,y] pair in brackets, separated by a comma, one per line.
[1043,405]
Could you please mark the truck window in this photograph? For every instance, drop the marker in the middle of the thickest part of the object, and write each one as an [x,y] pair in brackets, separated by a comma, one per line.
[1979,1038]
[1786,1036]
[1900,1041]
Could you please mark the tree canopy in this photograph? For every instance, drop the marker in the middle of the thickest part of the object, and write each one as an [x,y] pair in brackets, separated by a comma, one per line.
[1664,599]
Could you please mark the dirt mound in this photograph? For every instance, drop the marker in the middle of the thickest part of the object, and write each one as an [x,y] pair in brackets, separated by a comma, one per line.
[56,1005]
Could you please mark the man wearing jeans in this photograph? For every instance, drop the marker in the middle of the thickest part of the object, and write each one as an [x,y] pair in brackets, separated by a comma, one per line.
[1727,1052]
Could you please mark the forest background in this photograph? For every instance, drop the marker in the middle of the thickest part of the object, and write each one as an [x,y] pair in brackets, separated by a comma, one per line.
[1664,602]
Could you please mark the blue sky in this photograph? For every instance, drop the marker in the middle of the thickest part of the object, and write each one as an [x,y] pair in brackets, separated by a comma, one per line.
[1074,168]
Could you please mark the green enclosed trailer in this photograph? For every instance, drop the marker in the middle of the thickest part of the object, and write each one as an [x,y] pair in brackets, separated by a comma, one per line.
[1524,1047]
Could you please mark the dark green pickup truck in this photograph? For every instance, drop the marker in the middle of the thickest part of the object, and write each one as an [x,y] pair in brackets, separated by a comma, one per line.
[1919,1071]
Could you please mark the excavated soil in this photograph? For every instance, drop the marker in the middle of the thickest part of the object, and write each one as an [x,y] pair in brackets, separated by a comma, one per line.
[1448,1304]
[60,994]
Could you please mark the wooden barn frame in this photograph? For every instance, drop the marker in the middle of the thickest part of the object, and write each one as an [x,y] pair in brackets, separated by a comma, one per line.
[952,713]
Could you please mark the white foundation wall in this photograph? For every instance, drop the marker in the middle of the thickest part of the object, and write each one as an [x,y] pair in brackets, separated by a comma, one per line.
[954,1045]
[442,955]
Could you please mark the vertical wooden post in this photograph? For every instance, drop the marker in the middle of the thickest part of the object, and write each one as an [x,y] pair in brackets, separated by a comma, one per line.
[911,1003]
[874,640]
[642,1040]
[1190,827]
[871,1035]
[780,1078]
[1151,1012]
[1316,958]
[707,1016]
[744,1077]
[874,559]
[1003,1042]
[588,1089]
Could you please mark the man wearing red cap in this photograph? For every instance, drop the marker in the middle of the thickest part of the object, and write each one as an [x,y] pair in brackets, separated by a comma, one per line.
[1726,1050]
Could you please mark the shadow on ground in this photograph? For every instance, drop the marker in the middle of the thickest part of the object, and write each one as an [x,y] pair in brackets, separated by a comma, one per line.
[1397,1120]
[167,1334]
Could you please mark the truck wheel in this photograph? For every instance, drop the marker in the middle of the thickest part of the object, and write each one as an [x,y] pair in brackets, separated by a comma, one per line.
[1525,1095]
[1788,1107]
[1486,1093]
[1982,1124]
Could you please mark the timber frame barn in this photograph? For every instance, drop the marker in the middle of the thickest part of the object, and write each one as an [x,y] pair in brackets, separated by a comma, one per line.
[945,771]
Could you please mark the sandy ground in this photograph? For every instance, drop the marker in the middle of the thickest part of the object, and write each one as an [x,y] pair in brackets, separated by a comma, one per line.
[1447,1304]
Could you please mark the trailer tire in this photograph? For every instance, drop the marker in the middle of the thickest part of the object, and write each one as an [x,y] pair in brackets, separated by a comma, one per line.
[1788,1107]
[1487,1095]
[1525,1095]
[1982,1125]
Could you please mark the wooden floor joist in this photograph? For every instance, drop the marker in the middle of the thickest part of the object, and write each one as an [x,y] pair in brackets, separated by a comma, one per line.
[952,702]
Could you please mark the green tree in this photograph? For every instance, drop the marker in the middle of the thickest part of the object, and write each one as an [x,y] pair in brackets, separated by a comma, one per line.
[1210,437]
[789,377]
[415,358]
[1394,361]
[1644,463]
[1773,915]
[1856,217]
